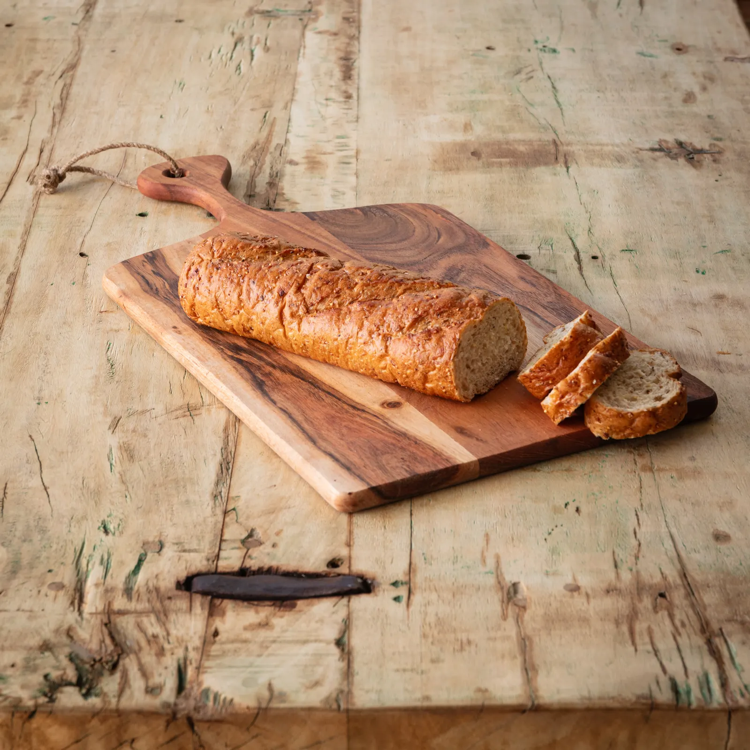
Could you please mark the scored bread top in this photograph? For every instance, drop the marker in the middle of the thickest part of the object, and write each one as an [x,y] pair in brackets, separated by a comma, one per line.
[381,321]
[643,397]
[563,349]
[594,369]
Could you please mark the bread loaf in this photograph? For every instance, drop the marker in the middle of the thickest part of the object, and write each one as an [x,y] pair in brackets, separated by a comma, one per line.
[643,397]
[563,349]
[429,335]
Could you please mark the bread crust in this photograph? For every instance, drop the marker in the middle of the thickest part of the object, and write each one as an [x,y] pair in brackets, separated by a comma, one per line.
[374,319]
[544,372]
[619,424]
[598,364]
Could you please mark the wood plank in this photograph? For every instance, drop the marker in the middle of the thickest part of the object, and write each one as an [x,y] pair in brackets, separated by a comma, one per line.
[268,499]
[592,580]
[111,456]
[34,90]
[320,169]
[332,730]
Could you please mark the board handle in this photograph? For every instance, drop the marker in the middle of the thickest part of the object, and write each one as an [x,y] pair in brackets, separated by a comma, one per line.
[204,183]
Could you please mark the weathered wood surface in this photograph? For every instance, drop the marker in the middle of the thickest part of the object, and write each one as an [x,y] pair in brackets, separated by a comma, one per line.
[322,420]
[563,131]
[492,729]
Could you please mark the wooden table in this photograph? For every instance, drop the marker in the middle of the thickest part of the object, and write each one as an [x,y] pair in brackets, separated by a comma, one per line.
[580,601]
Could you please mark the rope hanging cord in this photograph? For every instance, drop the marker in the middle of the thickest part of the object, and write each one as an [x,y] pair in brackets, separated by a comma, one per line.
[53,176]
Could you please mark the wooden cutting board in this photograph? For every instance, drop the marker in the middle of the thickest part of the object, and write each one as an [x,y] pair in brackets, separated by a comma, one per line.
[359,442]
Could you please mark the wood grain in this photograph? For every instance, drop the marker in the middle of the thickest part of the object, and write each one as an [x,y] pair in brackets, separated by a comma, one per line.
[321,428]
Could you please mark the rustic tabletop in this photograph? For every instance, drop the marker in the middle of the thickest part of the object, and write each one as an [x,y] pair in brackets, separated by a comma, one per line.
[581,600]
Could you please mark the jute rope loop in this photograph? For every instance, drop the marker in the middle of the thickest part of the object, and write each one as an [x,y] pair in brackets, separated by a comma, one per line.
[53,176]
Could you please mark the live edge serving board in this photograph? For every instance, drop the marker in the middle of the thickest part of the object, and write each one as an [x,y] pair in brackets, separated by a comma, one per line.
[359,442]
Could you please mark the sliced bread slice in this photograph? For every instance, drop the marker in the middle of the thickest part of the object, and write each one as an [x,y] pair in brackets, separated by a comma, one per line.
[563,349]
[593,370]
[642,398]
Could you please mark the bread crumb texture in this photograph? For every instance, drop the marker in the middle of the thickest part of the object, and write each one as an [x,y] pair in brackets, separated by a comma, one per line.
[643,397]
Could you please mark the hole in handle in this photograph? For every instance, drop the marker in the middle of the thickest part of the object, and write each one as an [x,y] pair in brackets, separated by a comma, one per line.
[174,175]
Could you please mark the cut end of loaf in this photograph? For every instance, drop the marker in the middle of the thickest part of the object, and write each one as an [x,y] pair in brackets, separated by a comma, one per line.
[489,350]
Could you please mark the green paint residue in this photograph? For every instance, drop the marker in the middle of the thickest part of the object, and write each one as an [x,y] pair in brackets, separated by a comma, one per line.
[541,45]
[675,690]
[706,687]
[646,54]
[110,360]
[735,663]
[701,271]
[340,642]
[106,563]
[398,598]
[547,243]
[3,678]
[182,673]
[47,18]
[111,459]
[107,526]
[718,252]
[398,584]
[142,214]
[132,578]
[215,698]
[628,250]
